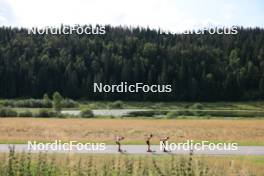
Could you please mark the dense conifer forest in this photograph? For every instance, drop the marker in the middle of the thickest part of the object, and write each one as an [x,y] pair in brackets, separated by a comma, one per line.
[199,67]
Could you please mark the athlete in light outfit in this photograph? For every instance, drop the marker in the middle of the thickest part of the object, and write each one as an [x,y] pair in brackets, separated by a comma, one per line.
[118,142]
[163,141]
[147,139]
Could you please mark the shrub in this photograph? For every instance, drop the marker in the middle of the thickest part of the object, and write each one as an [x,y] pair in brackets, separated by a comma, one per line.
[26,114]
[87,113]
[200,113]
[172,114]
[149,113]
[46,113]
[197,106]
[93,106]
[186,106]
[46,98]
[39,103]
[7,112]
[29,103]
[57,101]
[116,105]
[69,103]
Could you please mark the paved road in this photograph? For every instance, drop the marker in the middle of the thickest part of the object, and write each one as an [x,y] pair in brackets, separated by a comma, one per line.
[140,149]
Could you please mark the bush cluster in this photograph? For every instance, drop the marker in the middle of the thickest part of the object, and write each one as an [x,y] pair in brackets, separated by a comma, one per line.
[116,105]
[7,112]
[69,103]
[38,103]
[46,113]
[197,106]
[149,113]
[28,103]
[87,113]
[172,114]
[26,114]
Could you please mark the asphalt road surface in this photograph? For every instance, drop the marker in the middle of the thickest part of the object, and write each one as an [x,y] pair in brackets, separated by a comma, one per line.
[135,149]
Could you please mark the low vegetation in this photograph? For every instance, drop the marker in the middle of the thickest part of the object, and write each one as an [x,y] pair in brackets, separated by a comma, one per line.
[197,106]
[116,105]
[172,114]
[7,112]
[26,114]
[255,105]
[171,110]
[46,113]
[87,113]
[197,114]
[57,102]
[28,103]
[44,164]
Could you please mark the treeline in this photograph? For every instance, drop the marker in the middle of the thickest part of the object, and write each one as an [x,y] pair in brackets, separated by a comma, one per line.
[199,67]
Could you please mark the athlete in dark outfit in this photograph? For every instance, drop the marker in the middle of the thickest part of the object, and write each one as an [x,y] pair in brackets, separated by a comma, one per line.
[118,142]
[163,140]
[148,138]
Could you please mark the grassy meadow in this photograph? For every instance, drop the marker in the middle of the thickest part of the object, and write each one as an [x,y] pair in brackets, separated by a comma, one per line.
[20,130]
[240,122]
